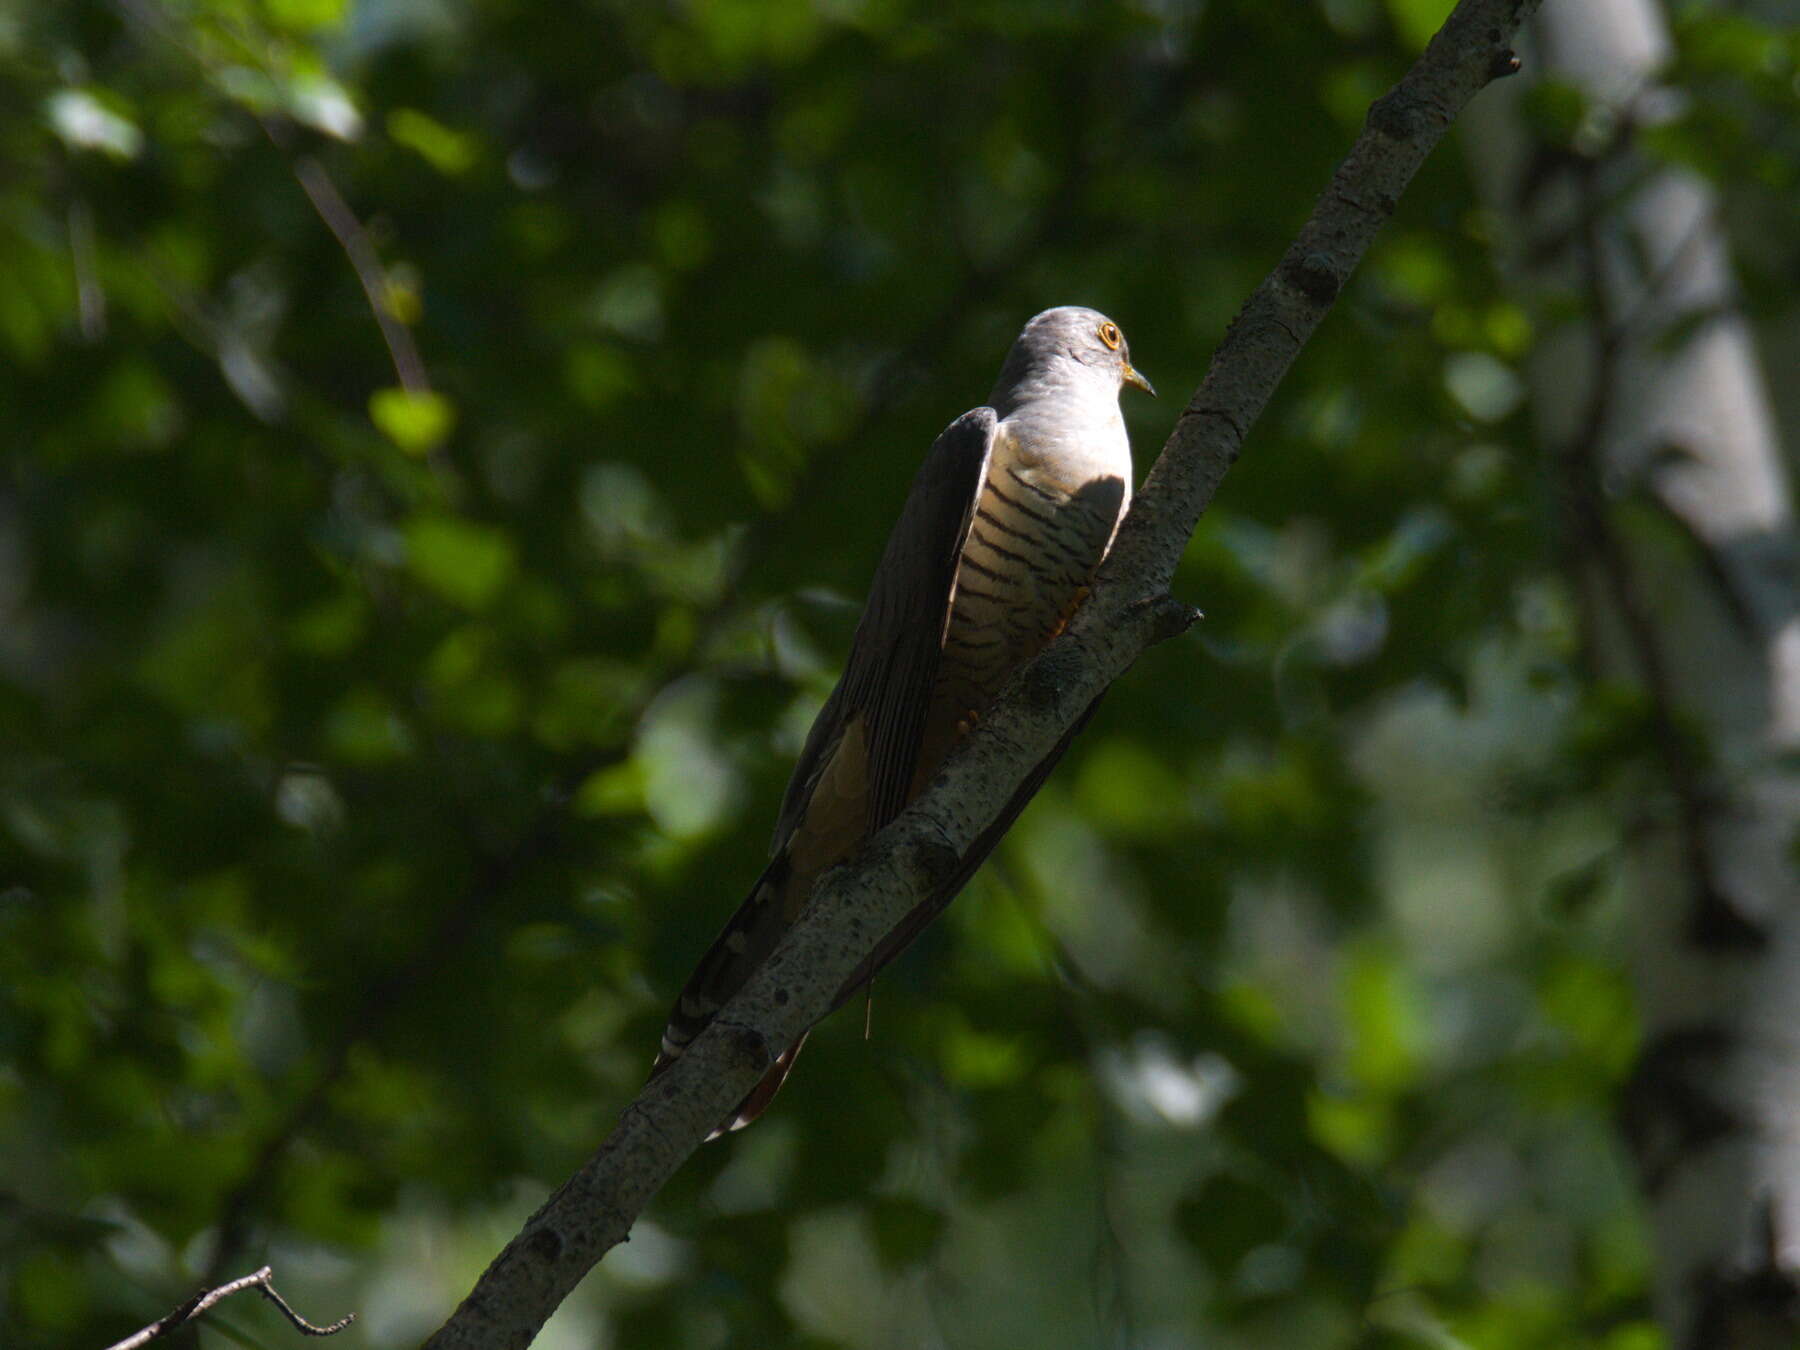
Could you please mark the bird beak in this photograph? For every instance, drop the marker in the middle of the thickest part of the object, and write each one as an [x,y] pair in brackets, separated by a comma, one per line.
[1131,377]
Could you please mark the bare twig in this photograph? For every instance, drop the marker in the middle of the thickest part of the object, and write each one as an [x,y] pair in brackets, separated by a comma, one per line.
[327,201]
[409,367]
[1129,609]
[90,295]
[200,1303]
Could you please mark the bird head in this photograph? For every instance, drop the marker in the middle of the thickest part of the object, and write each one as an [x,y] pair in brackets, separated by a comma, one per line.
[1074,332]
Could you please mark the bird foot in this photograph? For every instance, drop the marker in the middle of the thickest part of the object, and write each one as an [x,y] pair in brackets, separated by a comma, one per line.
[1076,602]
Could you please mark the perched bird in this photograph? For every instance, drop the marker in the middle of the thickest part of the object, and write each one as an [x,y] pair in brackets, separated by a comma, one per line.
[1006,522]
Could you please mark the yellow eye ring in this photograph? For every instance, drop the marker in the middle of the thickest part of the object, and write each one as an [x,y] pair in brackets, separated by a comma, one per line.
[1110,335]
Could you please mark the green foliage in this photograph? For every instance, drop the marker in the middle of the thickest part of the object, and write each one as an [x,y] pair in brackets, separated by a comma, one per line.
[415,420]
[377,761]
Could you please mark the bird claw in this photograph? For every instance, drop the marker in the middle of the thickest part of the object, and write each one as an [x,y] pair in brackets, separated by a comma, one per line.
[1075,603]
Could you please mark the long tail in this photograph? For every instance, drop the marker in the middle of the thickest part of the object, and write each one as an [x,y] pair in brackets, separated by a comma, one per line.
[745,942]
[757,1100]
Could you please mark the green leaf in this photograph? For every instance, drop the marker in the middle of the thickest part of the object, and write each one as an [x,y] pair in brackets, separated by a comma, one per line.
[978,1059]
[1593,1004]
[1418,20]
[464,562]
[1381,1012]
[331,627]
[364,728]
[416,420]
[449,152]
[306,16]
[1358,1129]
[613,791]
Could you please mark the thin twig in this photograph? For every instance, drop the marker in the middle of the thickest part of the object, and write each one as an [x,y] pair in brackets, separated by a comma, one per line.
[90,295]
[327,201]
[201,1302]
[409,367]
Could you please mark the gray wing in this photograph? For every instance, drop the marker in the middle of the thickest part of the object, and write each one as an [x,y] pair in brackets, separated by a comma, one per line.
[894,657]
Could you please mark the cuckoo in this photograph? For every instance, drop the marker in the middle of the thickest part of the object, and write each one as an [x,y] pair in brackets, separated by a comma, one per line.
[1006,522]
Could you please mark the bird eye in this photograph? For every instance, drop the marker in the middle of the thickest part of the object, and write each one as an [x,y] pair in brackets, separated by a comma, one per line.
[1109,334]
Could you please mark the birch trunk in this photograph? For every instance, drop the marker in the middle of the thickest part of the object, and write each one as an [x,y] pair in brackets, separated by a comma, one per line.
[1680,535]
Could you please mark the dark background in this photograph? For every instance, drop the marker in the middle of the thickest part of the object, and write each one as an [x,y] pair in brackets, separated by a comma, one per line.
[377,763]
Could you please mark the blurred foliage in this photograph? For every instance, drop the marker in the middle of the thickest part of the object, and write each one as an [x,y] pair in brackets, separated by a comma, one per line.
[380,752]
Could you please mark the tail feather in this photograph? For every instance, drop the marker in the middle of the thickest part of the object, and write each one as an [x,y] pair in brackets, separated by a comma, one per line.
[757,1100]
[753,931]
[742,945]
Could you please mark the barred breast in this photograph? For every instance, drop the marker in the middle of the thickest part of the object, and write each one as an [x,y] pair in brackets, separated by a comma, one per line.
[1039,533]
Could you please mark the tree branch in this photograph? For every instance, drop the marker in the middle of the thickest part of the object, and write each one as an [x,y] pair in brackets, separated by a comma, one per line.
[855,905]
[196,1306]
[539,838]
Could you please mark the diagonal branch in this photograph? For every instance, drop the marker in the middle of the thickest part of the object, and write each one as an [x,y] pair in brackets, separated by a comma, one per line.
[456,922]
[1129,610]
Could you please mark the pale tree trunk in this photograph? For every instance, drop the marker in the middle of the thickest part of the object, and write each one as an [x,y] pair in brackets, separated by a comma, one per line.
[1680,536]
